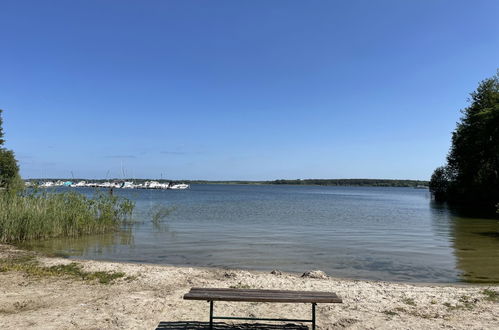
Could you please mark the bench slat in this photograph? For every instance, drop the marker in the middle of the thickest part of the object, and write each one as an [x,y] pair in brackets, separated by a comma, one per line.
[257,295]
[260,291]
[268,299]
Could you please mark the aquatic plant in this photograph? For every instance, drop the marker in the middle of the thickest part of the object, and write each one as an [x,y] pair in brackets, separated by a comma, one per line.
[43,215]
[160,212]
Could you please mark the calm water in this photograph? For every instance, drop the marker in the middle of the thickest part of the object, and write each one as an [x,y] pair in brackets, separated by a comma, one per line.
[356,232]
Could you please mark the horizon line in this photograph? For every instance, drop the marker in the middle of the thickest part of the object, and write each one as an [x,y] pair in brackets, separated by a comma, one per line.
[220,180]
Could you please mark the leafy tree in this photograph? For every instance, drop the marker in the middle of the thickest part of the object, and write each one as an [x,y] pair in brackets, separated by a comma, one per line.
[439,183]
[9,169]
[472,170]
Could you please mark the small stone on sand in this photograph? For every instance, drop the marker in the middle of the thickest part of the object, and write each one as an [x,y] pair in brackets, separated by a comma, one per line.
[315,274]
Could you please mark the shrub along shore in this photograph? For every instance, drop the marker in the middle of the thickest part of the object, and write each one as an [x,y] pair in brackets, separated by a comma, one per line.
[41,215]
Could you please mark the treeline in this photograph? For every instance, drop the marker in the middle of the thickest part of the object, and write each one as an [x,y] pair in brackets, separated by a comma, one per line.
[471,175]
[330,182]
[356,182]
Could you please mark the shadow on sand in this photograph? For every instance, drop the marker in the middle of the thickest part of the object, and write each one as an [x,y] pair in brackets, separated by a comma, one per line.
[194,325]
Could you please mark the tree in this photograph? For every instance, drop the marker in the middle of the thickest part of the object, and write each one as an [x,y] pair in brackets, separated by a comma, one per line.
[439,183]
[9,169]
[472,170]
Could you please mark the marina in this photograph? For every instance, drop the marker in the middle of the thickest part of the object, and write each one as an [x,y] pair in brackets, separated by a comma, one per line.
[115,184]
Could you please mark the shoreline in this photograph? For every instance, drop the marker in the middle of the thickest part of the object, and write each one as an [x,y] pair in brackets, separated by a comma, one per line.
[150,294]
[249,269]
[266,271]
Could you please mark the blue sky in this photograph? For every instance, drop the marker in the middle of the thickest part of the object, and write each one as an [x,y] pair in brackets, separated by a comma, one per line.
[244,90]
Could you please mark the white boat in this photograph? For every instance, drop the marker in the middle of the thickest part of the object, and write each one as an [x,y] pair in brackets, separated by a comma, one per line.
[106,184]
[128,185]
[178,186]
[80,184]
[153,185]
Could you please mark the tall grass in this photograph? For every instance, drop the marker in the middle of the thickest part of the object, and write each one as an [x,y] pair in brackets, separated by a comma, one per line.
[42,215]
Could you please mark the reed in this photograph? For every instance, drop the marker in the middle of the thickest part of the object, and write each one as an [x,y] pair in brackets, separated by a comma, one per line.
[42,215]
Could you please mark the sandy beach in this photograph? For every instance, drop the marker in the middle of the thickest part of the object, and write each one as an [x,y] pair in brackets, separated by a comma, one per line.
[150,295]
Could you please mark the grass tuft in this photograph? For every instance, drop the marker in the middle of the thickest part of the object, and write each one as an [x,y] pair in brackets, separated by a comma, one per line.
[30,266]
[390,313]
[491,295]
[465,303]
[240,286]
[409,301]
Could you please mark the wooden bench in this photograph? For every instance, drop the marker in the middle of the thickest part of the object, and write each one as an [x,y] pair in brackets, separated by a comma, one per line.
[255,295]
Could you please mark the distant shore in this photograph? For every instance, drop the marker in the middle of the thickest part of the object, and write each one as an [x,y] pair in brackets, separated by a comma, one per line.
[309,182]
[145,295]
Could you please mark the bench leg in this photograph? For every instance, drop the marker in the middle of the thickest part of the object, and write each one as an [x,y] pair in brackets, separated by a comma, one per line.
[211,315]
[313,316]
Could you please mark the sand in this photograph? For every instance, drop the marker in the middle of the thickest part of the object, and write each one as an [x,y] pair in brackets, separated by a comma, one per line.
[155,297]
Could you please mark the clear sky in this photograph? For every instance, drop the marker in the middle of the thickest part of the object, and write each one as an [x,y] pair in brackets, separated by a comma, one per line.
[240,89]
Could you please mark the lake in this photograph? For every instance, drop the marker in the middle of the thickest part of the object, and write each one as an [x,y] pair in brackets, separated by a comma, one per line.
[378,233]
